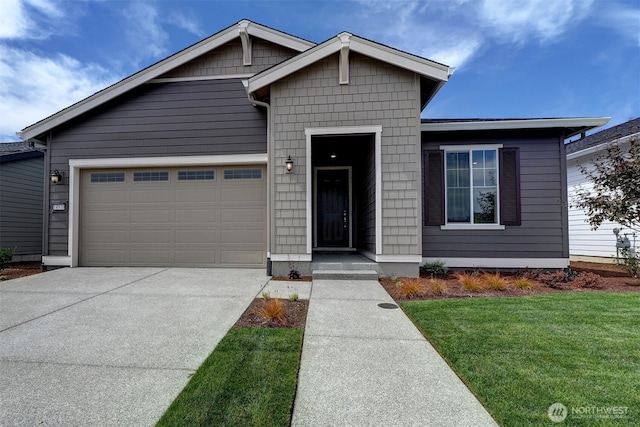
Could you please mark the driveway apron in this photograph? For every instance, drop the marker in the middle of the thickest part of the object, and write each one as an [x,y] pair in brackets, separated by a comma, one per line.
[111,346]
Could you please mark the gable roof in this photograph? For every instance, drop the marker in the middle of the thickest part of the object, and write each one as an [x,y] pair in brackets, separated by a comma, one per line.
[615,132]
[432,70]
[572,125]
[162,67]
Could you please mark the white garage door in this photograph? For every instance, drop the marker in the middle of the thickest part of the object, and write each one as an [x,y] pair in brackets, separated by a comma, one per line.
[210,217]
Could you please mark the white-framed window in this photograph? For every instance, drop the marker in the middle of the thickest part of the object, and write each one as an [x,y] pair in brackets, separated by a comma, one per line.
[471,185]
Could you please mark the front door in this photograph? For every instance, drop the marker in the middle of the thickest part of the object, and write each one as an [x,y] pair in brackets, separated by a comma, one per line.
[333,222]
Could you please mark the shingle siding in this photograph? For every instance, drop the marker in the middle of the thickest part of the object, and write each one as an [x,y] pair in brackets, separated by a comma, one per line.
[227,60]
[543,197]
[377,94]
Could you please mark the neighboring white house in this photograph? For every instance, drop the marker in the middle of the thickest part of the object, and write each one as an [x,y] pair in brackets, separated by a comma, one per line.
[586,244]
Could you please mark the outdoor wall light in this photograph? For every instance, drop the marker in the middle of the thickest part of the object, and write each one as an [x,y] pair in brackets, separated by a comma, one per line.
[56,176]
[289,165]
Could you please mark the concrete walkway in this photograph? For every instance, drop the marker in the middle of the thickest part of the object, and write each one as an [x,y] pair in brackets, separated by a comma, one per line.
[111,346]
[363,365]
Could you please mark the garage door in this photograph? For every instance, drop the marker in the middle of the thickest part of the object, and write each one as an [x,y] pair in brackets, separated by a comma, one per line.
[210,217]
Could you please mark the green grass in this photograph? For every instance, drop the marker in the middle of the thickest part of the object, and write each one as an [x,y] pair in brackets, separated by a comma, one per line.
[248,380]
[520,355]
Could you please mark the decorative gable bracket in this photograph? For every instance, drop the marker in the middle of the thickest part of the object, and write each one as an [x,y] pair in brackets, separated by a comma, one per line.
[345,39]
[246,42]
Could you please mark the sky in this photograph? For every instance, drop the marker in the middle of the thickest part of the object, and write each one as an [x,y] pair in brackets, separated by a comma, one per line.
[513,58]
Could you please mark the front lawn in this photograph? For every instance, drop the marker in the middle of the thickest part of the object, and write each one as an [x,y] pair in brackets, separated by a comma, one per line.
[521,355]
[248,380]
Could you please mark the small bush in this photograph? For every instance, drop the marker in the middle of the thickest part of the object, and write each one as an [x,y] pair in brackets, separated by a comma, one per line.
[293,297]
[274,311]
[523,283]
[410,288]
[266,295]
[471,282]
[436,268]
[530,273]
[631,262]
[558,279]
[6,255]
[294,274]
[494,281]
[588,280]
[438,287]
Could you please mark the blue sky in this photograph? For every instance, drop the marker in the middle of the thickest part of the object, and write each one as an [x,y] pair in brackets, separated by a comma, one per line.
[513,58]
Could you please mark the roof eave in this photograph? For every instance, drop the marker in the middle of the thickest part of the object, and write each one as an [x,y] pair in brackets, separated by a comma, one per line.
[160,68]
[575,125]
[421,66]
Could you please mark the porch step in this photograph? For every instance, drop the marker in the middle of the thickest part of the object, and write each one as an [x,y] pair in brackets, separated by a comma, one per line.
[345,275]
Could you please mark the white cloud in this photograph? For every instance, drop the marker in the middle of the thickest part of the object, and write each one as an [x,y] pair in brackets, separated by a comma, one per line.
[54,83]
[28,19]
[188,22]
[623,19]
[518,21]
[145,33]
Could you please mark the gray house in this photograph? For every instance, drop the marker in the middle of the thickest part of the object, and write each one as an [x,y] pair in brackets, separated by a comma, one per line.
[21,193]
[257,148]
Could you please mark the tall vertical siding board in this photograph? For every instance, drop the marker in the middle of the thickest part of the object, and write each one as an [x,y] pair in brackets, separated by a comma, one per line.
[21,195]
[541,233]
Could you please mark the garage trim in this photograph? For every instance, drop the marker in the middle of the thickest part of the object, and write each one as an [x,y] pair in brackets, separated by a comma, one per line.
[76,165]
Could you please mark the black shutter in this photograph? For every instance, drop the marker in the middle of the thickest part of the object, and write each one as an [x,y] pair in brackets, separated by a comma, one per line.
[510,186]
[433,165]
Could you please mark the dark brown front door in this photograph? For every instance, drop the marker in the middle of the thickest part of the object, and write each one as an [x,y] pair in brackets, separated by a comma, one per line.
[333,208]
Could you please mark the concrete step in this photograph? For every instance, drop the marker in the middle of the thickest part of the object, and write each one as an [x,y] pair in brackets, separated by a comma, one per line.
[345,275]
[348,265]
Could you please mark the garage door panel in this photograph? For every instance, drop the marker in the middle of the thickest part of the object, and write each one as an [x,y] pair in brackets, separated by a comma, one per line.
[245,196]
[243,215]
[106,217]
[187,222]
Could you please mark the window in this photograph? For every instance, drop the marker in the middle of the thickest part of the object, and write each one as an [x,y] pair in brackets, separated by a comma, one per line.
[150,176]
[243,174]
[195,175]
[472,190]
[475,186]
[107,177]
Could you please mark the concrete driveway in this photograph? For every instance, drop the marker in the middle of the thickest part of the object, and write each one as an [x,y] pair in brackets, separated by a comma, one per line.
[111,346]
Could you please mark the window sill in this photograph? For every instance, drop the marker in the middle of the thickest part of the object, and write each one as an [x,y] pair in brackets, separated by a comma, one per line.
[472,227]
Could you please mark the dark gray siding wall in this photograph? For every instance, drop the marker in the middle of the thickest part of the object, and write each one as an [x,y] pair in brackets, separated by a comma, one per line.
[212,117]
[543,233]
[21,194]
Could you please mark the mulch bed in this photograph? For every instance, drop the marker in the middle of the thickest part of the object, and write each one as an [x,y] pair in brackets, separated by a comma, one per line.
[21,269]
[614,279]
[295,317]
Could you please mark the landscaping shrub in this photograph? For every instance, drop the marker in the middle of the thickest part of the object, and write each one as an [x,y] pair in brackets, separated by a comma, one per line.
[436,268]
[6,255]
[631,262]
[438,287]
[494,281]
[409,288]
[471,282]
[588,280]
[523,283]
[274,311]
[558,279]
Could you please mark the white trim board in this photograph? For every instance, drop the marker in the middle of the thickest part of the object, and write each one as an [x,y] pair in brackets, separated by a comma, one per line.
[291,257]
[579,122]
[555,263]
[56,261]
[410,259]
[76,165]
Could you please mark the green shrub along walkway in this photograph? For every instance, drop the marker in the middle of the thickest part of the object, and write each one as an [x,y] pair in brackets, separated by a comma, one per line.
[521,355]
[248,380]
